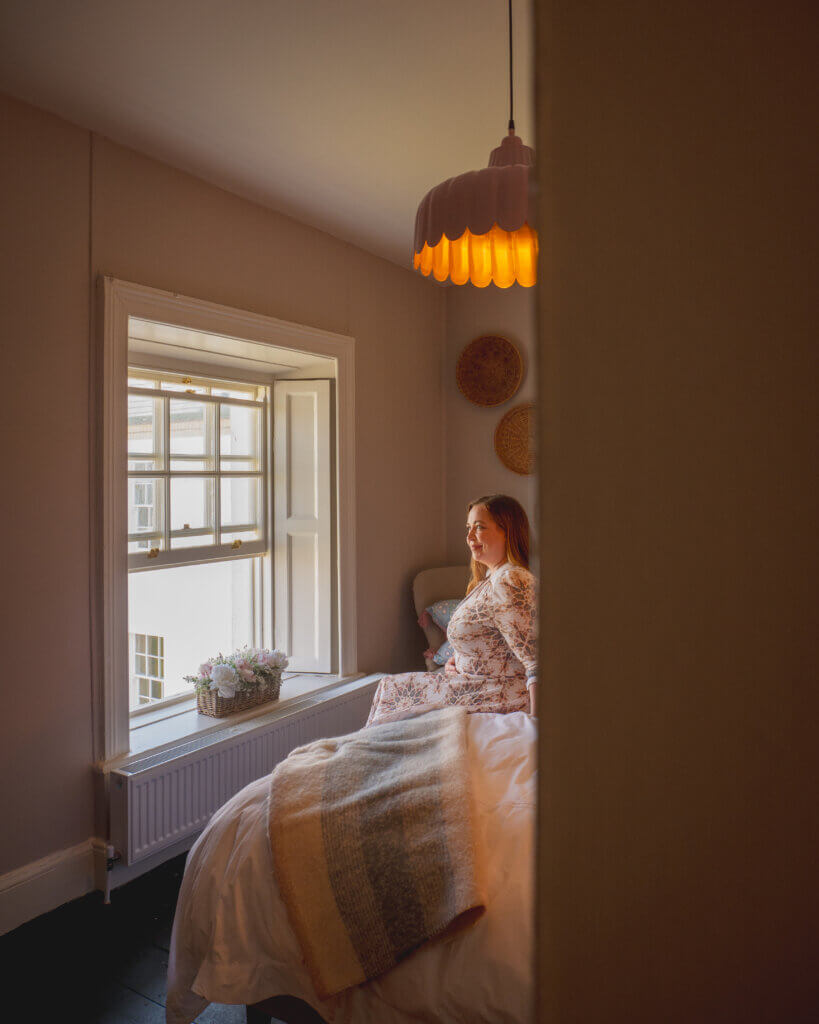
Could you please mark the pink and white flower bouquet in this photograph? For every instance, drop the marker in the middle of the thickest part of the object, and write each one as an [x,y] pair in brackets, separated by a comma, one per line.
[245,671]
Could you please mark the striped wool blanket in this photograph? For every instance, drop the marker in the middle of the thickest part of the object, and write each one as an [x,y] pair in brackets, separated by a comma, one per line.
[372,838]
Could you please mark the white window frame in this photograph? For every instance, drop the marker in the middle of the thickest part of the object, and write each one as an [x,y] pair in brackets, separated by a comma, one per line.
[165,554]
[121,300]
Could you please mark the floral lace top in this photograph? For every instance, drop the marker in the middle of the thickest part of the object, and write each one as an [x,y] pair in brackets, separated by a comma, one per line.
[494,634]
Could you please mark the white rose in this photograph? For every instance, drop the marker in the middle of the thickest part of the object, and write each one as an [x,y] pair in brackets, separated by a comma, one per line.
[224,679]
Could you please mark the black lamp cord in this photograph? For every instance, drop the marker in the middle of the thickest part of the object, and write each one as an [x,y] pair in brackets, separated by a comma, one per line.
[511,86]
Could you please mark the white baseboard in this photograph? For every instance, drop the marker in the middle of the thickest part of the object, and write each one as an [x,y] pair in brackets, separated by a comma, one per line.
[44,884]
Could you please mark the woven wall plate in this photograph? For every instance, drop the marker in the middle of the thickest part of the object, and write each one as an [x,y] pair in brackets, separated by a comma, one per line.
[489,370]
[515,439]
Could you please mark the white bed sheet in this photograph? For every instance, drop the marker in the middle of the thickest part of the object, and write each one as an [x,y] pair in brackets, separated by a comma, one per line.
[232,942]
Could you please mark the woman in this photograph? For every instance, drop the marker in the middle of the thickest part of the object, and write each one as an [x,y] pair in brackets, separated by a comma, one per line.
[492,631]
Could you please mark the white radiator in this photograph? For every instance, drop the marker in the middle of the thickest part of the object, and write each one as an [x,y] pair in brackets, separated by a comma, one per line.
[157,802]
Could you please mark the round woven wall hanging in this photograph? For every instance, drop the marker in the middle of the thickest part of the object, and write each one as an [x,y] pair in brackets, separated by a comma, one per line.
[489,370]
[515,439]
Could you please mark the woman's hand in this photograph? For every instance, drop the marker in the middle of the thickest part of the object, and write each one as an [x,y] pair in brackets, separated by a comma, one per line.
[449,667]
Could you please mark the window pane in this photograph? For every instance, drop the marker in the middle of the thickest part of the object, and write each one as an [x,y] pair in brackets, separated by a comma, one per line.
[234,465]
[239,430]
[241,500]
[189,428]
[156,689]
[191,503]
[200,610]
[145,501]
[139,663]
[189,465]
[144,425]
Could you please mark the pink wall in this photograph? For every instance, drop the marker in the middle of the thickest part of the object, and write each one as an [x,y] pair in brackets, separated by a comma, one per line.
[472,466]
[45,727]
[157,226]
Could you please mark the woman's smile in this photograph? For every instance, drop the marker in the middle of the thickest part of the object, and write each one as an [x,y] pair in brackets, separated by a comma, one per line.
[485,539]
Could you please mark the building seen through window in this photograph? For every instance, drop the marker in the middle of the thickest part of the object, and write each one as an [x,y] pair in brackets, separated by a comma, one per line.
[148,668]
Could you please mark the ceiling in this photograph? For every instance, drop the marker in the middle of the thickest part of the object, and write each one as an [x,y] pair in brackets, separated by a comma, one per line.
[340,113]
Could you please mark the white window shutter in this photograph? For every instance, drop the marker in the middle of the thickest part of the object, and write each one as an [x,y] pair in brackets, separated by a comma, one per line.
[302,527]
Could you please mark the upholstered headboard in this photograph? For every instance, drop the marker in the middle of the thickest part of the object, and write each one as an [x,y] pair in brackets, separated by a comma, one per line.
[433,585]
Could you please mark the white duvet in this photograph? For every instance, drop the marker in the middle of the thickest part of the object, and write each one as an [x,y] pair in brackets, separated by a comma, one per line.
[232,942]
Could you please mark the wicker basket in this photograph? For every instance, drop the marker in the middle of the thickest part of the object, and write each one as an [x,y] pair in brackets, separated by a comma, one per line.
[514,439]
[208,702]
[489,370]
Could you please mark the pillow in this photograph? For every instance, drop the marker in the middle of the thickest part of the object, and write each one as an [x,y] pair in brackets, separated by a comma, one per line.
[441,611]
[443,654]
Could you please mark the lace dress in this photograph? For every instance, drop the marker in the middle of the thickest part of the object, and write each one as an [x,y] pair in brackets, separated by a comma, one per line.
[494,636]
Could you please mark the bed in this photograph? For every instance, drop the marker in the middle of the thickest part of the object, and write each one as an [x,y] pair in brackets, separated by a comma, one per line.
[232,942]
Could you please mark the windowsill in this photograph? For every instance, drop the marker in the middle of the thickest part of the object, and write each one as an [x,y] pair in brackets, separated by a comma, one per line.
[293,684]
[150,736]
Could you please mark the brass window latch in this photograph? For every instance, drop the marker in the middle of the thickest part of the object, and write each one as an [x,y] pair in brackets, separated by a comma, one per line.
[153,552]
[236,544]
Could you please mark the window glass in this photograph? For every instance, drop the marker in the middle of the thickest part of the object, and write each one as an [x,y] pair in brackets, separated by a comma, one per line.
[189,428]
[191,503]
[239,430]
[145,507]
[145,430]
[198,611]
[241,500]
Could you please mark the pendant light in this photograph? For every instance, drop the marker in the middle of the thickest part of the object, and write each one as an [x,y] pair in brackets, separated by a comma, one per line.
[477,227]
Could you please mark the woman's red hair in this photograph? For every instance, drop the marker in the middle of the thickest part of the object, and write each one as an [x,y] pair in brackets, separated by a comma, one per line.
[509,515]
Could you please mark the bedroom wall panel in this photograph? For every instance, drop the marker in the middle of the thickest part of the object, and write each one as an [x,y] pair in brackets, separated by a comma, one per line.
[45,728]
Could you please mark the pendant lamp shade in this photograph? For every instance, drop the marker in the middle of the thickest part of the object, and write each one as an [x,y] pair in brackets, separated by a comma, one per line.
[478,226]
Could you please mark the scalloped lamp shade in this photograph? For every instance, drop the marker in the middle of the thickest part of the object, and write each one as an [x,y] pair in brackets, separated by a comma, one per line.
[477,227]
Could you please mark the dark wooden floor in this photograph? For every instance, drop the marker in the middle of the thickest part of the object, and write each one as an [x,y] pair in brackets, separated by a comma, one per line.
[86,963]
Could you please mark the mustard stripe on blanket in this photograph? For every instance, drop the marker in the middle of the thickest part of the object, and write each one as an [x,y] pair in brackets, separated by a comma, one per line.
[373,845]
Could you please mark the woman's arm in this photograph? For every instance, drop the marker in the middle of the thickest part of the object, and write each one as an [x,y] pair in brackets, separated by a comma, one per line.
[514,603]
